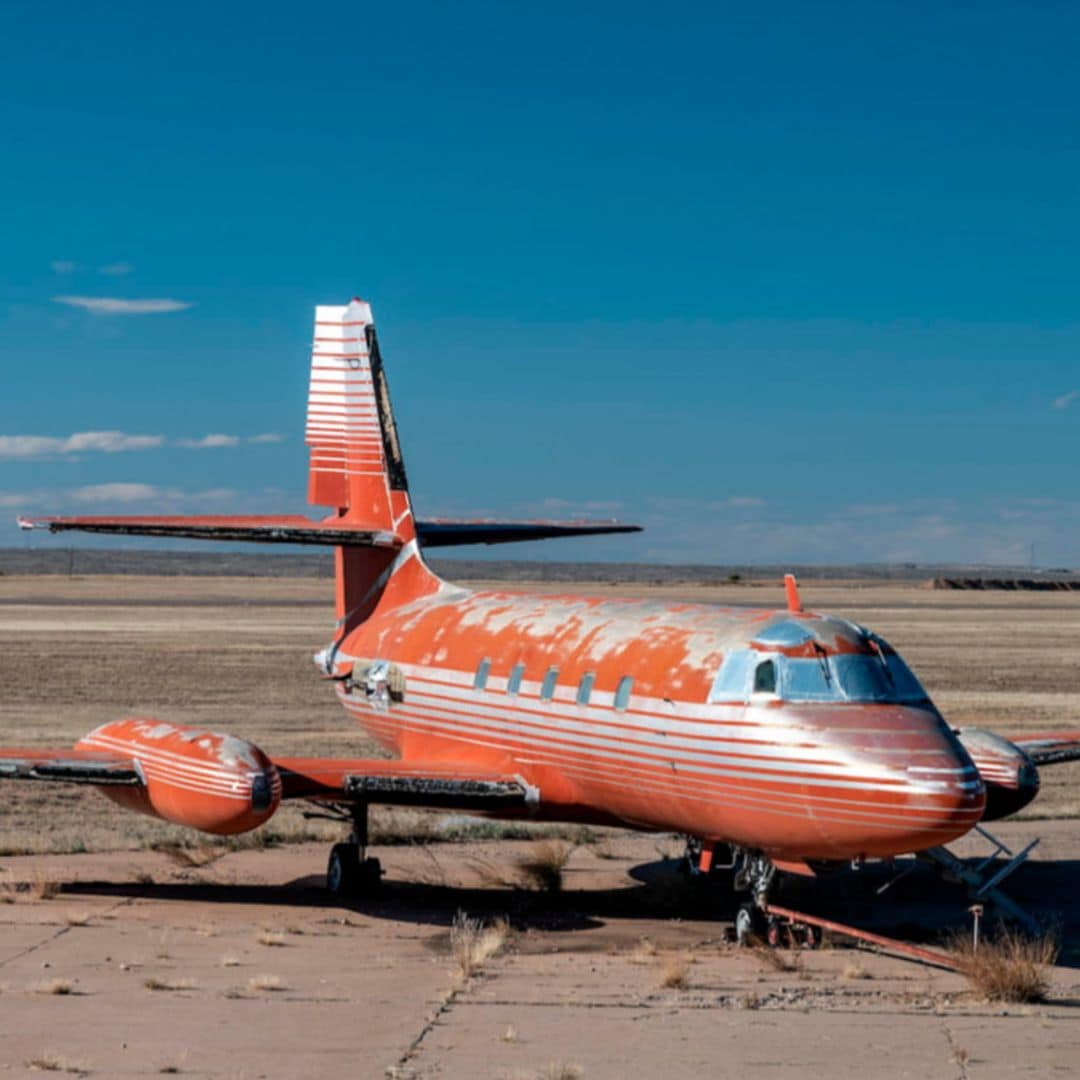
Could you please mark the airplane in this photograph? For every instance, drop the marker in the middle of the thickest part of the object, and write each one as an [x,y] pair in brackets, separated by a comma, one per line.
[775,740]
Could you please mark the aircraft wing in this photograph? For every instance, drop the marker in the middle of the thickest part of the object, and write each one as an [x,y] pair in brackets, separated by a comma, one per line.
[1049,748]
[68,766]
[443,785]
[397,783]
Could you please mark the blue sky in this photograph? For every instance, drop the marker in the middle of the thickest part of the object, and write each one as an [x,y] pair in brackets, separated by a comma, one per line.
[782,282]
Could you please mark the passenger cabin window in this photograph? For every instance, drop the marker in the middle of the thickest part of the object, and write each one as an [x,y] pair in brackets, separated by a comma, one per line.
[513,684]
[547,687]
[480,682]
[584,690]
[765,677]
[622,692]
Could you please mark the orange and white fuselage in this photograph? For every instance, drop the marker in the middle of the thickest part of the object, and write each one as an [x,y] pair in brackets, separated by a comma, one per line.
[615,710]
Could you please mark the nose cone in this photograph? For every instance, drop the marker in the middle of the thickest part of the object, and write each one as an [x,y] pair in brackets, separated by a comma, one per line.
[912,785]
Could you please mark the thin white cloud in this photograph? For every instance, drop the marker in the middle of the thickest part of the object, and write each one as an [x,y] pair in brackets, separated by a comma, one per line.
[745,500]
[108,305]
[209,442]
[1066,400]
[114,493]
[266,437]
[62,266]
[15,447]
[116,269]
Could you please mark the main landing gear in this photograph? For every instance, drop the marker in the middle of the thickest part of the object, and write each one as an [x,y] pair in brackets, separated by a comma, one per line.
[349,872]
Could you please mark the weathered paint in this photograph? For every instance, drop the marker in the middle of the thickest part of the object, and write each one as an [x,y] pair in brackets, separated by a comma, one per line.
[209,781]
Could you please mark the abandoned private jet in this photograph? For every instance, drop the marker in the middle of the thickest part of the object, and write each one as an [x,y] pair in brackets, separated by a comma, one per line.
[774,739]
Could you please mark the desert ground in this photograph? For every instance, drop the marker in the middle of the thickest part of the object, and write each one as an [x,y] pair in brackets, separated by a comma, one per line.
[129,947]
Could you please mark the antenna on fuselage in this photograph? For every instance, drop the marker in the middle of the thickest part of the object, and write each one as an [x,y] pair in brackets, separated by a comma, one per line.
[791,589]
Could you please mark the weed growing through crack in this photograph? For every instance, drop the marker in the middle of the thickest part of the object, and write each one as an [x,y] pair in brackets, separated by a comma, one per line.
[675,972]
[474,942]
[543,867]
[1009,967]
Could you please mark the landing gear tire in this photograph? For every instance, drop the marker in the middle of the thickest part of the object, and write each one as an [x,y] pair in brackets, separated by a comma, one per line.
[749,925]
[774,932]
[348,875]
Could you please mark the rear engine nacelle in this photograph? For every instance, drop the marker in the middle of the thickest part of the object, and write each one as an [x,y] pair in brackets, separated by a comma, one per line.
[1010,776]
[203,779]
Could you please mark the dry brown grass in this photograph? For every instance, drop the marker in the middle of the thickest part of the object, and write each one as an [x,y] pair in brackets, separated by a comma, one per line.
[853,969]
[153,983]
[228,960]
[543,867]
[193,857]
[273,939]
[59,987]
[474,942]
[675,971]
[267,983]
[644,952]
[41,888]
[1010,967]
[50,1062]
[777,959]
[560,1070]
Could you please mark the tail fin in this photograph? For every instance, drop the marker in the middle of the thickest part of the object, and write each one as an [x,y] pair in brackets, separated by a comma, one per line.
[356,465]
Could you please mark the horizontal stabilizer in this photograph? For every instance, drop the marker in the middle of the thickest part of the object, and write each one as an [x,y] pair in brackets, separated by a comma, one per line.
[444,533]
[333,531]
[255,528]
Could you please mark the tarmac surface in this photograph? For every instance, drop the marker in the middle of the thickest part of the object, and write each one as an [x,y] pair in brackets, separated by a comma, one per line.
[243,967]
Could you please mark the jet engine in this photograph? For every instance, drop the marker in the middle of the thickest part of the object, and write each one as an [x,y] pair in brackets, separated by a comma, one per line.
[208,781]
[1010,776]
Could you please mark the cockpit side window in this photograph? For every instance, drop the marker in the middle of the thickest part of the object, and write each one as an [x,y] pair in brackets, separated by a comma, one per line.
[765,677]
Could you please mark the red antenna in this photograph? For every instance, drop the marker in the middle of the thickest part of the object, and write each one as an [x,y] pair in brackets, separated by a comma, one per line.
[791,588]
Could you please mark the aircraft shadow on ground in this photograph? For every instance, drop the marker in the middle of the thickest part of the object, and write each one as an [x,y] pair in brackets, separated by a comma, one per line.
[918,906]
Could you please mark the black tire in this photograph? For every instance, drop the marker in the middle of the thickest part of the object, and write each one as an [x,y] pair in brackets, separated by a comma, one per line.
[749,925]
[343,870]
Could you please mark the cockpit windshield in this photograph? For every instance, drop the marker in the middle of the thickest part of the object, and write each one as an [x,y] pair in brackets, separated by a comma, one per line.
[880,676]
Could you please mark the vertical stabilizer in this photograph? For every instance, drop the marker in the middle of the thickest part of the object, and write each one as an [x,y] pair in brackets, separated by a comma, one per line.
[356,464]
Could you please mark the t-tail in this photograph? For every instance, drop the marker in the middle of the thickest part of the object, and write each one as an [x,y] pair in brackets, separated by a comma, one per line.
[356,469]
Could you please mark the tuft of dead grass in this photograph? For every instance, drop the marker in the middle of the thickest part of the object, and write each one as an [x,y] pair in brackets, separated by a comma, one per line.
[644,952]
[1009,967]
[273,939]
[561,1070]
[163,984]
[474,942]
[193,857]
[543,867]
[229,960]
[675,971]
[50,1062]
[777,959]
[267,983]
[853,969]
[77,918]
[58,987]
